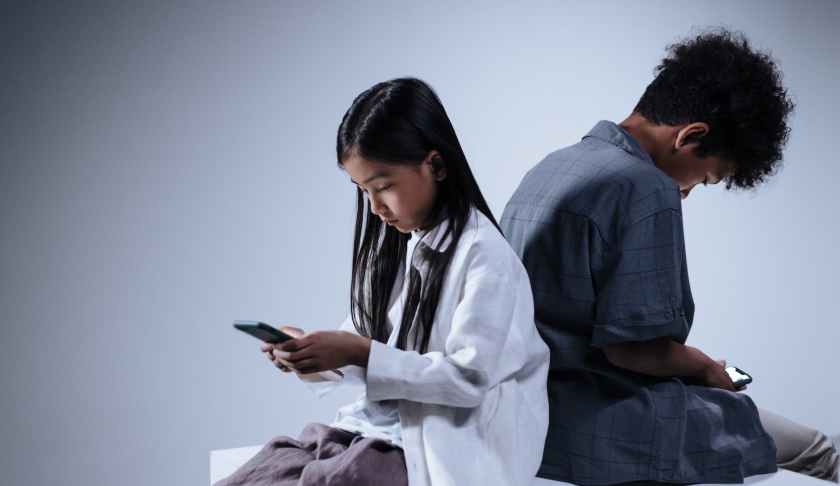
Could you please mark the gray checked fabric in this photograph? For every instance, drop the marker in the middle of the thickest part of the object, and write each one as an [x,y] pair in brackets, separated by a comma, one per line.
[599,229]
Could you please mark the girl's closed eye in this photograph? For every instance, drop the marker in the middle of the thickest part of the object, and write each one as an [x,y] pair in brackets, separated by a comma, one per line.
[375,190]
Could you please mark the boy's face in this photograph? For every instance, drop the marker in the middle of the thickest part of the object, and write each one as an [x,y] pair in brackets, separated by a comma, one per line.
[401,195]
[691,170]
[688,169]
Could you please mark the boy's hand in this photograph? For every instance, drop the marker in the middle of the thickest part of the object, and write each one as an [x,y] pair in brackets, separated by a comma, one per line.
[715,375]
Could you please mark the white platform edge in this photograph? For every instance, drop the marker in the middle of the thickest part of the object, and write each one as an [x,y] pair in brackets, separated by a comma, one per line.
[224,462]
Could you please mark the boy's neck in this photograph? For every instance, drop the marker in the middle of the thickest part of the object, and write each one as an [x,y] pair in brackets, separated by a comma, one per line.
[654,139]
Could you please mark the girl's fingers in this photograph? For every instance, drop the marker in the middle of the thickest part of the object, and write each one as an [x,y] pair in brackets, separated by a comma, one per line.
[293,331]
[265,347]
[297,356]
[297,344]
[276,358]
[308,365]
[279,363]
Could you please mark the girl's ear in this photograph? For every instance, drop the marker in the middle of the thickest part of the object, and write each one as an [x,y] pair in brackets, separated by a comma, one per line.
[438,165]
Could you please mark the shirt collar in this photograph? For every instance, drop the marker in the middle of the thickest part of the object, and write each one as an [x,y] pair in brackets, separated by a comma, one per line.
[615,135]
[431,236]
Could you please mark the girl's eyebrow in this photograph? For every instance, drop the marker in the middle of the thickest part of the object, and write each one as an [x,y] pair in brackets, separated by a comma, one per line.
[374,176]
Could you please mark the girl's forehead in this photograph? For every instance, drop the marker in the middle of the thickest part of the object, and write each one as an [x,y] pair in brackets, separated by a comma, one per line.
[363,171]
[357,163]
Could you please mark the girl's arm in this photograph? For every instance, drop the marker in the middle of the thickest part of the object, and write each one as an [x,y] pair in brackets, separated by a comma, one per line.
[324,382]
[476,348]
[354,374]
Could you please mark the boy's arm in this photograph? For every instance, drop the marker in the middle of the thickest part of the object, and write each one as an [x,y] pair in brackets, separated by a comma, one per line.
[666,357]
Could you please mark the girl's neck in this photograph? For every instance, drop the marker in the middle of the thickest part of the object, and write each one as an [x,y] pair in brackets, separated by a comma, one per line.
[436,217]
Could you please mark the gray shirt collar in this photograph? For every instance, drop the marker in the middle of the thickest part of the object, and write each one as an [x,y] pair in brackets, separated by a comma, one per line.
[613,134]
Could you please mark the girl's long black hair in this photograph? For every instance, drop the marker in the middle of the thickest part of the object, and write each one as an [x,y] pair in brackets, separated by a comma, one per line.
[400,122]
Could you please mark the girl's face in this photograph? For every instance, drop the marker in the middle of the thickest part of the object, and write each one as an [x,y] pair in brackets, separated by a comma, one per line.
[401,195]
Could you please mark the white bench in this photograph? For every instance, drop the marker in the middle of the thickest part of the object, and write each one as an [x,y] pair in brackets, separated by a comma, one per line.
[223,462]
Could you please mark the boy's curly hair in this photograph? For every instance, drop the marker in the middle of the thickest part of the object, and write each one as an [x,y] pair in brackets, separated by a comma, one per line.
[717,78]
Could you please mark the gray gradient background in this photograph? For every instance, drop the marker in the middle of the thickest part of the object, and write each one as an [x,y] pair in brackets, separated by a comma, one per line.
[167,169]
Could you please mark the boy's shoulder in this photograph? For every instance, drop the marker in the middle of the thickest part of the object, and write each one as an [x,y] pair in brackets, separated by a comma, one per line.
[598,181]
[594,165]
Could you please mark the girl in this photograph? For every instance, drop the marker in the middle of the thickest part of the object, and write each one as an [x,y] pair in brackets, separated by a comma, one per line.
[441,330]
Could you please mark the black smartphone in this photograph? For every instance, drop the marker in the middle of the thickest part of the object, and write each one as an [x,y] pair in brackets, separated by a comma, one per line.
[262,331]
[739,377]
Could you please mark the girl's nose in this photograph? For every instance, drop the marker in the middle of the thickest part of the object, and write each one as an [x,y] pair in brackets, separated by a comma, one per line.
[376,206]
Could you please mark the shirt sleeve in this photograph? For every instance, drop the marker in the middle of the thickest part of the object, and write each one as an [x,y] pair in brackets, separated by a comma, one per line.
[476,348]
[641,289]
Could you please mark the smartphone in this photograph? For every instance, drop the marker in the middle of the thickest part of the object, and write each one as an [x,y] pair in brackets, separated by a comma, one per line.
[262,331]
[739,377]
[268,334]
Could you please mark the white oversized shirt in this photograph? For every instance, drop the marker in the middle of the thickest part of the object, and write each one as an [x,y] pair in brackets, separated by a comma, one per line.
[381,418]
[474,408]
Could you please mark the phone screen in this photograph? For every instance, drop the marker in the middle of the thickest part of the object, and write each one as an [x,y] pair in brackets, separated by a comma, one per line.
[739,377]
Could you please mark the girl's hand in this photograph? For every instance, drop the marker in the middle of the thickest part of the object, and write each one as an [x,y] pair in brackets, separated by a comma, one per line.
[324,350]
[275,355]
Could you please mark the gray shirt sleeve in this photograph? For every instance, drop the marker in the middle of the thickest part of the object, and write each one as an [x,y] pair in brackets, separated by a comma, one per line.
[641,285]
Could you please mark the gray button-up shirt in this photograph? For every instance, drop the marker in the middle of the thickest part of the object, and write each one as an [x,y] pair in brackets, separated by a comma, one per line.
[599,229]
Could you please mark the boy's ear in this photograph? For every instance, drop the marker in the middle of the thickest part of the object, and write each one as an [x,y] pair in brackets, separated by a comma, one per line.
[691,133]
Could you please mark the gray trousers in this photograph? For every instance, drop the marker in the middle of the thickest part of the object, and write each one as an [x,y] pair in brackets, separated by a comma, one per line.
[802,449]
